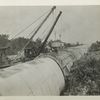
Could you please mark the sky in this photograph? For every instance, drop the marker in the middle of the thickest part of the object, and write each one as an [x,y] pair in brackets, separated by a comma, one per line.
[76,24]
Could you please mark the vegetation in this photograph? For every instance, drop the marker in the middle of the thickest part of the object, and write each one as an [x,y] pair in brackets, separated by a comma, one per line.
[72,45]
[95,46]
[84,78]
[16,44]
[4,40]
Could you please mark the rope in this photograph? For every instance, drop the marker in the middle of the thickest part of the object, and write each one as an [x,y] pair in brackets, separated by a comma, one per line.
[44,35]
[29,34]
[32,31]
[30,25]
[20,53]
[45,31]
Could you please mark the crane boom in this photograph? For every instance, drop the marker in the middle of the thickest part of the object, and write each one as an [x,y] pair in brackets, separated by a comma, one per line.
[55,22]
[34,52]
[23,49]
[53,8]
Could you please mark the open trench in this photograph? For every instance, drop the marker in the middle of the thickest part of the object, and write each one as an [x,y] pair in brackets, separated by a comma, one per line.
[42,76]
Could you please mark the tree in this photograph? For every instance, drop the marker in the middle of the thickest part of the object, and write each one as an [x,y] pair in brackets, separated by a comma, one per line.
[95,46]
[4,40]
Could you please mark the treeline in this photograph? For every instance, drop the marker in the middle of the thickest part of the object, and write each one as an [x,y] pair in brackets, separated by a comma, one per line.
[72,44]
[95,46]
[16,44]
[4,41]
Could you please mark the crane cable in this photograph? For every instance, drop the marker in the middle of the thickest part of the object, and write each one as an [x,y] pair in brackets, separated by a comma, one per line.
[33,31]
[45,31]
[50,23]
[29,25]
[30,34]
[20,53]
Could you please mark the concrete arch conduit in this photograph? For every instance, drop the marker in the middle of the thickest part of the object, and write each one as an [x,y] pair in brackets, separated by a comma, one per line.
[41,76]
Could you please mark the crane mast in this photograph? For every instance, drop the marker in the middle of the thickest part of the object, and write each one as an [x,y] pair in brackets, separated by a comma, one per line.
[24,48]
[53,8]
[33,52]
[50,31]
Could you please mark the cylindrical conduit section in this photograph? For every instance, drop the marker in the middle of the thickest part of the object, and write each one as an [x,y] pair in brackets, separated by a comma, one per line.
[41,76]
[44,75]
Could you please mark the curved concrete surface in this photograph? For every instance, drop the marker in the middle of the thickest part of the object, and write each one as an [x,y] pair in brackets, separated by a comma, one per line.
[38,77]
[42,76]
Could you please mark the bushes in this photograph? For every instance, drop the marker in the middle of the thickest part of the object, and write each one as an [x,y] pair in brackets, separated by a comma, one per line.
[84,77]
[4,40]
[17,44]
[95,46]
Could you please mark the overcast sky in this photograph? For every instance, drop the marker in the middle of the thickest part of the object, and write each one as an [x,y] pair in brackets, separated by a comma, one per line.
[77,23]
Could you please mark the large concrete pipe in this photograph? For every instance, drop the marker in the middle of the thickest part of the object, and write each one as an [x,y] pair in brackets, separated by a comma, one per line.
[42,76]
[38,77]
